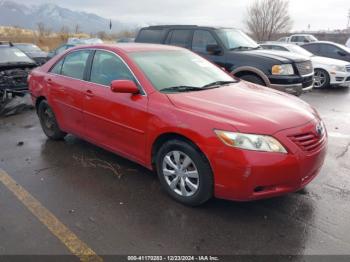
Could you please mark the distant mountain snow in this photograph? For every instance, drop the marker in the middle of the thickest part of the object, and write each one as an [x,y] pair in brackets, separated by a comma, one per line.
[55,17]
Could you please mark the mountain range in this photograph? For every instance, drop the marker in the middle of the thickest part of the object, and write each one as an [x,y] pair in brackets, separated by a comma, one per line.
[55,17]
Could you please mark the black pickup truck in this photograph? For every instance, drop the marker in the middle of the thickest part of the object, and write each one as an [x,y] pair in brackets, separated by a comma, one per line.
[239,54]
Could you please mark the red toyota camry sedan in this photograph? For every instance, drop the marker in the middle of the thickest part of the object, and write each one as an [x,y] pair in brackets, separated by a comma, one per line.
[204,132]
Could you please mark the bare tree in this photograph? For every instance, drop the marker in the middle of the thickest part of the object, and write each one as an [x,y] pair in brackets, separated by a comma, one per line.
[267,18]
[77,29]
[43,31]
[64,33]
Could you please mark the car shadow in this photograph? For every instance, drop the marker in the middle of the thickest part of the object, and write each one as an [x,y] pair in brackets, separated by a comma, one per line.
[134,201]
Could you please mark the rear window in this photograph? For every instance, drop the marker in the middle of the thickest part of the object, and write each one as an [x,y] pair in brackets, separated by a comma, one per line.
[150,36]
[179,38]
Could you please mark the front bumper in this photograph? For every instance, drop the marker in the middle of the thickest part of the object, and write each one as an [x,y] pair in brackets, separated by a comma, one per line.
[295,85]
[340,78]
[244,175]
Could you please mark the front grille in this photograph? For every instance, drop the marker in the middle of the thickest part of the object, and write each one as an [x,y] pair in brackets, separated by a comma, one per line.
[347,68]
[309,142]
[305,68]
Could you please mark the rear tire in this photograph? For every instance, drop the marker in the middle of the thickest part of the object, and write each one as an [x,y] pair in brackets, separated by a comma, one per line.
[184,173]
[253,79]
[48,122]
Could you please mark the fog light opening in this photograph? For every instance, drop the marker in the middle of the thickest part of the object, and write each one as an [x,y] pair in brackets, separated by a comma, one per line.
[259,189]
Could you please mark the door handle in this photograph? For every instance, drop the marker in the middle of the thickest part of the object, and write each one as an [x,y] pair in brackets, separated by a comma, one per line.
[89,93]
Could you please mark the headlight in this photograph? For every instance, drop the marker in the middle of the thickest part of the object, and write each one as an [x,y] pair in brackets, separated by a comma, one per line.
[339,68]
[286,69]
[250,141]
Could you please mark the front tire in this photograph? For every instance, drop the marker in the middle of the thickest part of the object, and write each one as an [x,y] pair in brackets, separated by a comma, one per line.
[184,172]
[322,78]
[48,122]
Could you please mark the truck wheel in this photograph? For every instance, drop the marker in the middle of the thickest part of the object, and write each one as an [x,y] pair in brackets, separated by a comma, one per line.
[48,122]
[253,79]
[184,173]
[322,78]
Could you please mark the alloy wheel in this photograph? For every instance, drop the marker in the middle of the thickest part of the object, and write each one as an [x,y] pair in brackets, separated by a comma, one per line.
[320,78]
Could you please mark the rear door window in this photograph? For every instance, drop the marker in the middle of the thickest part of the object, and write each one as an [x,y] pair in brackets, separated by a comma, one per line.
[74,64]
[179,37]
[150,36]
[201,39]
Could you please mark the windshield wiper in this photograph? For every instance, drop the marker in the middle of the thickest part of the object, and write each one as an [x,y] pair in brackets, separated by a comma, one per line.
[244,47]
[218,83]
[239,48]
[182,88]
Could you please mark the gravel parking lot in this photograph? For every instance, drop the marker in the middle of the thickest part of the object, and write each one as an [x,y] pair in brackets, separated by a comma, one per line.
[117,207]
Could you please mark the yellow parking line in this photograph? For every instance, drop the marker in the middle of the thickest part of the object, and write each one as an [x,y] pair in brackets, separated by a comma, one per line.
[67,237]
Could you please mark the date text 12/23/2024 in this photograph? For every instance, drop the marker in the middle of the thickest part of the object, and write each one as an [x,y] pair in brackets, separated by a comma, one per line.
[173,258]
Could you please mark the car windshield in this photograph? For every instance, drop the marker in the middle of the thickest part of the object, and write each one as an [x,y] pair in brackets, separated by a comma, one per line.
[169,69]
[236,39]
[13,55]
[299,50]
[28,48]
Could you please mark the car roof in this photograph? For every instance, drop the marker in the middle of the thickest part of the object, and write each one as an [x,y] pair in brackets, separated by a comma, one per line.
[23,44]
[185,27]
[130,47]
[8,46]
[301,34]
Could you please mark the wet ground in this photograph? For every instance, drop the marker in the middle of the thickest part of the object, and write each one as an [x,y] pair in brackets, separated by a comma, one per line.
[118,207]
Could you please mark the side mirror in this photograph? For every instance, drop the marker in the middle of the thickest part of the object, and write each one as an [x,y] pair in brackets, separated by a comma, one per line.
[214,49]
[124,86]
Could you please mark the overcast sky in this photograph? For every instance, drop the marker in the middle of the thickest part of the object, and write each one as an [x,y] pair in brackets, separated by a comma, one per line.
[320,14]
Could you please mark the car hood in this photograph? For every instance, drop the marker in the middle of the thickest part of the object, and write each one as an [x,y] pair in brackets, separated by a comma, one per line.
[37,54]
[282,56]
[328,61]
[247,107]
